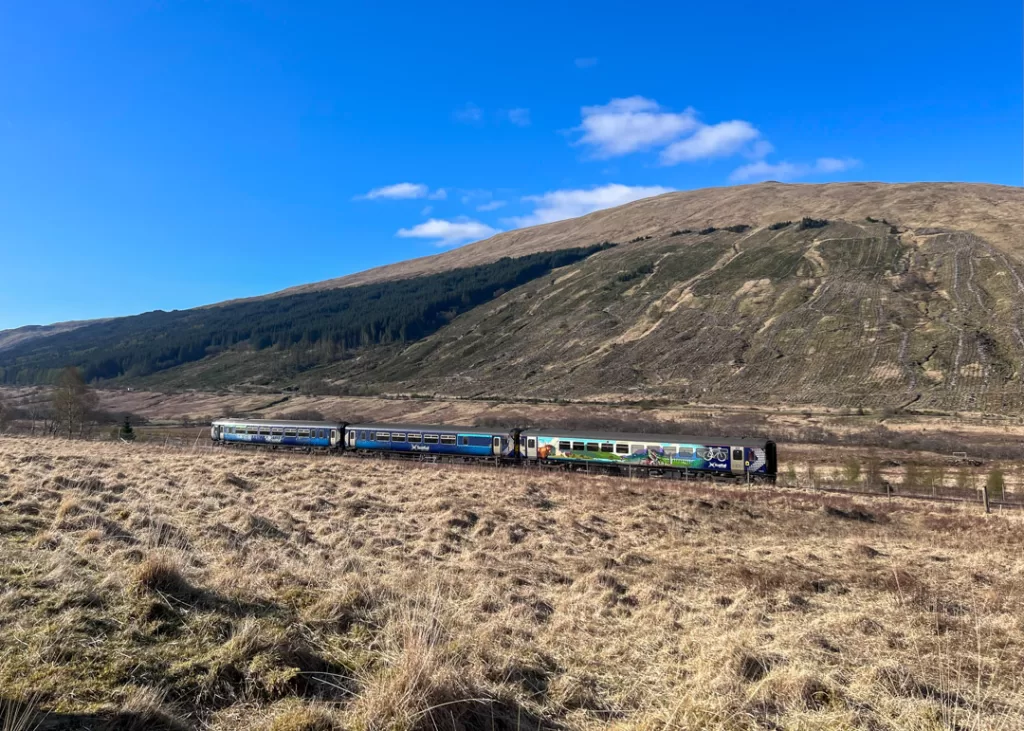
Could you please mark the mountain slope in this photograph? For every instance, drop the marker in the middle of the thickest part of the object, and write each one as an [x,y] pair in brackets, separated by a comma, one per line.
[845,314]
[853,295]
[994,212]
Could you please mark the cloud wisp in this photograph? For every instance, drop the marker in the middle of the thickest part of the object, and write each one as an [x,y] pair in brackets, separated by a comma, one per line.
[398,191]
[558,205]
[491,206]
[520,116]
[448,233]
[762,170]
[403,191]
[468,113]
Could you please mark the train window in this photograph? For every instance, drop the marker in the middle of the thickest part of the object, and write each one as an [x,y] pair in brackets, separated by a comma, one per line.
[362,435]
[621,449]
[737,454]
[686,452]
[448,439]
[289,432]
[656,448]
[465,441]
[303,432]
[414,437]
[578,447]
[383,436]
[320,433]
[397,436]
[251,430]
[593,447]
[531,444]
[564,446]
[605,447]
[265,432]
[430,438]
[277,430]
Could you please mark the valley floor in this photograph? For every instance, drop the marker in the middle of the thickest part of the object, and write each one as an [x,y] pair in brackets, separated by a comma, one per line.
[213,589]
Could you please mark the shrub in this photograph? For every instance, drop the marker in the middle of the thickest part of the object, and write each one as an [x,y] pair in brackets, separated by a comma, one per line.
[852,470]
[738,228]
[779,225]
[996,484]
[806,222]
[708,230]
[681,232]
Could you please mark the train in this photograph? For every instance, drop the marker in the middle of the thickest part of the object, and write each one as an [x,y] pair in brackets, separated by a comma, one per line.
[742,459]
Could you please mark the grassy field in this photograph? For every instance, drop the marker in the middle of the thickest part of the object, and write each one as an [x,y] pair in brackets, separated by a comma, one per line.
[152,588]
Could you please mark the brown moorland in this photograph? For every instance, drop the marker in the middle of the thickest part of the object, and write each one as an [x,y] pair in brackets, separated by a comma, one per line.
[152,588]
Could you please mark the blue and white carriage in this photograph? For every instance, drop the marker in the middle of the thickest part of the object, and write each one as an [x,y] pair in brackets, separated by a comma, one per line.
[278,433]
[430,439]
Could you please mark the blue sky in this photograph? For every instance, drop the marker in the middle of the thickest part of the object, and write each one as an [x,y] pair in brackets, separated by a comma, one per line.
[162,155]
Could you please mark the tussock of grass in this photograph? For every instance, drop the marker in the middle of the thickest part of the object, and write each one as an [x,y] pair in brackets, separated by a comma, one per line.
[143,589]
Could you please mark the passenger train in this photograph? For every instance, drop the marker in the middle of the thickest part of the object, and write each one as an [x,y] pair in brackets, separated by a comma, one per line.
[668,455]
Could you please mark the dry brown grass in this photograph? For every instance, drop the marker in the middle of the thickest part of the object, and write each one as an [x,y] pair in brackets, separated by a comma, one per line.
[156,589]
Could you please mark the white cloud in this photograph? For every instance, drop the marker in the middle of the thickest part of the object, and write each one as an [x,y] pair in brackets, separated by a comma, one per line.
[835,164]
[397,192]
[561,204]
[492,206]
[469,113]
[711,140]
[762,170]
[585,63]
[448,233]
[626,125]
[426,210]
[438,195]
[519,116]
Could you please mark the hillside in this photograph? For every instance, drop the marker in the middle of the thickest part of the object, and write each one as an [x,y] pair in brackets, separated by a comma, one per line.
[994,212]
[174,590]
[848,295]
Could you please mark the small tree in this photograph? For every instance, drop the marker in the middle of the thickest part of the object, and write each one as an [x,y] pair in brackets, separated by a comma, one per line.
[996,484]
[851,470]
[126,433]
[6,415]
[73,401]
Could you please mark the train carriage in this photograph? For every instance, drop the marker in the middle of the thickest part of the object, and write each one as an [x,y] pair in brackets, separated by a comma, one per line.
[739,458]
[422,440]
[278,433]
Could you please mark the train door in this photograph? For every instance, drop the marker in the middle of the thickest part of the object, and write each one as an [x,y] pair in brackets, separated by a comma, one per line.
[531,447]
[334,437]
[737,462]
[496,446]
[351,434]
[215,432]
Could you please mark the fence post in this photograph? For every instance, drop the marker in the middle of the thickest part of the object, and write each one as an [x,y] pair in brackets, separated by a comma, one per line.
[984,493]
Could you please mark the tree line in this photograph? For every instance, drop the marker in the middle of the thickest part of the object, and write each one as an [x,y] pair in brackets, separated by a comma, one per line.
[326,324]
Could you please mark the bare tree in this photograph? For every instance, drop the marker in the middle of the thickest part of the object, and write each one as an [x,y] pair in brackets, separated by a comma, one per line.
[73,401]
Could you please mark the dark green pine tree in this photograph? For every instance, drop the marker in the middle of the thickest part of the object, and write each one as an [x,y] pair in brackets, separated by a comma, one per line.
[126,433]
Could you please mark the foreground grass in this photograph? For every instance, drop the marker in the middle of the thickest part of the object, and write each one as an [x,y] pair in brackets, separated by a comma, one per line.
[142,588]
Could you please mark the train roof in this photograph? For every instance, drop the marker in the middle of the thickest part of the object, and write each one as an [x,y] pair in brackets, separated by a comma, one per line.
[637,437]
[401,426]
[281,422]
